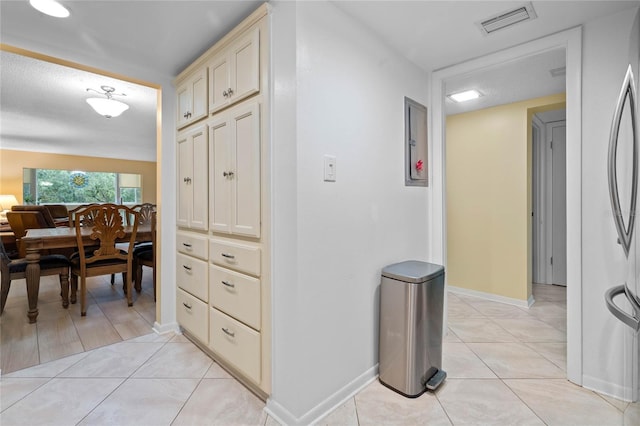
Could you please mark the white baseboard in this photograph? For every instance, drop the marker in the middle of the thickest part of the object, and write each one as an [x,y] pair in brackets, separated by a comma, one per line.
[492,297]
[603,387]
[166,328]
[285,417]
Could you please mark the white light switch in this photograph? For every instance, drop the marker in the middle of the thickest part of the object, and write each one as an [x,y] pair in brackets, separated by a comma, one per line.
[329,168]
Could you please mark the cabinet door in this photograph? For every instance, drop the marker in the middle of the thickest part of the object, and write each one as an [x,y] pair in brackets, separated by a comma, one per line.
[200,183]
[184,97]
[219,160]
[192,206]
[245,180]
[185,155]
[219,82]
[192,98]
[245,66]
[199,94]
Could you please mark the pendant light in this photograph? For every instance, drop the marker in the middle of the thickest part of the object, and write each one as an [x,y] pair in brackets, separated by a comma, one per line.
[107,107]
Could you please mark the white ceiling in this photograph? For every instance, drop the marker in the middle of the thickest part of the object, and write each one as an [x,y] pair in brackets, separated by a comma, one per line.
[165,36]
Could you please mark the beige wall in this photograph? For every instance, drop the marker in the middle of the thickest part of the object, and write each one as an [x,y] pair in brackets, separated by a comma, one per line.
[488,192]
[12,163]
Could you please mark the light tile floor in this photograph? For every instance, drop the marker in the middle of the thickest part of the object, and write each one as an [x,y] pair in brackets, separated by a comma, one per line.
[505,365]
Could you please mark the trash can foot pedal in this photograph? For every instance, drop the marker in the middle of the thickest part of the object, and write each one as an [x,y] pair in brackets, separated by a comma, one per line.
[436,380]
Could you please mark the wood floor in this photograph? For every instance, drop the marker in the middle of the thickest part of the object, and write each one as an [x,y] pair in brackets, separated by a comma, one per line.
[62,332]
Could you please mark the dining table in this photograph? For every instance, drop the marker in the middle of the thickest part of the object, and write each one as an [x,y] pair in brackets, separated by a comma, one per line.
[37,240]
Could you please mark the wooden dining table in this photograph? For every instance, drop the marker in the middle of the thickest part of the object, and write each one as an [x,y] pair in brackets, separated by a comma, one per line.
[37,240]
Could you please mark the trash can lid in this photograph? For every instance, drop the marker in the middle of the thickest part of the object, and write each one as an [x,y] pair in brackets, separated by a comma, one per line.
[413,271]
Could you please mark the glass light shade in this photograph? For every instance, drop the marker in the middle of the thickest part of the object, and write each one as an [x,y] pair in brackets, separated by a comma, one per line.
[50,7]
[8,201]
[107,107]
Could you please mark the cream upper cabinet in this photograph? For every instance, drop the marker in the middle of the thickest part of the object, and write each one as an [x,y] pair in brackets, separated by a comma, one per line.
[234,73]
[192,178]
[192,98]
[234,178]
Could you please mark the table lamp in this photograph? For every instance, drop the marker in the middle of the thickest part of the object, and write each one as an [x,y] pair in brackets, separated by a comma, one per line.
[6,202]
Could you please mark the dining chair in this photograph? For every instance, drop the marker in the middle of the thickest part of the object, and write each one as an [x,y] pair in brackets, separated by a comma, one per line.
[145,255]
[22,220]
[102,256]
[88,220]
[42,209]
[15,269]
[72,213]
[59,213]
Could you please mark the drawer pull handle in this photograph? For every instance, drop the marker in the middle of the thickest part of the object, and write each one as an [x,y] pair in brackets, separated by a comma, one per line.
[228,284]
[228,256]
[186,305]
[228,333]
[187,245]
[188,268]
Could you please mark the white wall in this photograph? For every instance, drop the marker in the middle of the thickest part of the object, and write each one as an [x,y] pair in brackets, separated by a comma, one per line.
[166,155]
[332,239]
[606,43]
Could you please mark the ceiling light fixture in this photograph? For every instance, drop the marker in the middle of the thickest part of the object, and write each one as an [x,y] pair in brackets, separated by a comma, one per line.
[467,95]
[50,7]
[107,107]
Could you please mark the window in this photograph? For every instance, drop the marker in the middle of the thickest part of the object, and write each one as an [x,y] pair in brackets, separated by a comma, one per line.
[51,186]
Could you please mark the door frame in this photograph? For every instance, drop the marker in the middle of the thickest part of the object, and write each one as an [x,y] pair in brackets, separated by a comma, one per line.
[571,41]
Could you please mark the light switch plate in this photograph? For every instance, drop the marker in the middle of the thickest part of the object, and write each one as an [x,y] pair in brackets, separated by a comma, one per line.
[329,168]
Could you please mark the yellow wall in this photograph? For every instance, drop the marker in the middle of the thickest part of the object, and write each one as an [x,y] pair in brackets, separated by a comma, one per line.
[488,181]
[12,163]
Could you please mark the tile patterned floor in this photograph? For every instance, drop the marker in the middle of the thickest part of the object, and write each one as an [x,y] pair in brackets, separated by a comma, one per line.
[505,365]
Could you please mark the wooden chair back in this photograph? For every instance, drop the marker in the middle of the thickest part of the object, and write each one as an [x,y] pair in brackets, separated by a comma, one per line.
[145,210]
[107,222]
[73,212]
[21,221]
[42,209]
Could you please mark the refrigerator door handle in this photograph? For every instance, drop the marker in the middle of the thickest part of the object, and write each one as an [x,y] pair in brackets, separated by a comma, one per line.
[632,321]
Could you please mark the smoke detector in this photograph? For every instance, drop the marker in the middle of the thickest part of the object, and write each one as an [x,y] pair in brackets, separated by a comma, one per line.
[507,19]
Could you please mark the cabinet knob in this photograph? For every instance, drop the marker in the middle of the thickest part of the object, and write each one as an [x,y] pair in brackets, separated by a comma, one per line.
[225,94]
[230,92]
[228,284]
[228,333]
[227,174]
[186,305]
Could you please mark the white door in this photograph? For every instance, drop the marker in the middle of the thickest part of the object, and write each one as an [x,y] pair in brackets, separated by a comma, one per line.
[557,131]
[220,165]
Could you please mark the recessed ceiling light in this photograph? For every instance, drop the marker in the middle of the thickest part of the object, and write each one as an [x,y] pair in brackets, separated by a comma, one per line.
[467,95]
[50,7]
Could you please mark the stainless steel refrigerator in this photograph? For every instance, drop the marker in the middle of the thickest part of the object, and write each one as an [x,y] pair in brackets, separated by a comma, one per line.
[623,300]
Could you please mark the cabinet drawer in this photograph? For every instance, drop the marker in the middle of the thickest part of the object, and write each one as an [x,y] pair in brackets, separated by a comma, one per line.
[236,342]
[191,276]
[192,315]
[193,245]
[236,256]
[235,294]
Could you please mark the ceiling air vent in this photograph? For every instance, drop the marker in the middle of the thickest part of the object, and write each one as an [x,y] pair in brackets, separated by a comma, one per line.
[507,19]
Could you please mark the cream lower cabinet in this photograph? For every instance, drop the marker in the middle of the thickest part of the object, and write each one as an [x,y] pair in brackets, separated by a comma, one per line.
[235,305]
[234,170]
[192,280]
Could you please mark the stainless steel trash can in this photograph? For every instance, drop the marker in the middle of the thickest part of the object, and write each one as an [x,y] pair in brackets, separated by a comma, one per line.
[411,315]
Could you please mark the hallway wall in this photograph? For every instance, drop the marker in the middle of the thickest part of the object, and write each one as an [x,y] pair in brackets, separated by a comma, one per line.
[342,94]
[488,168]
